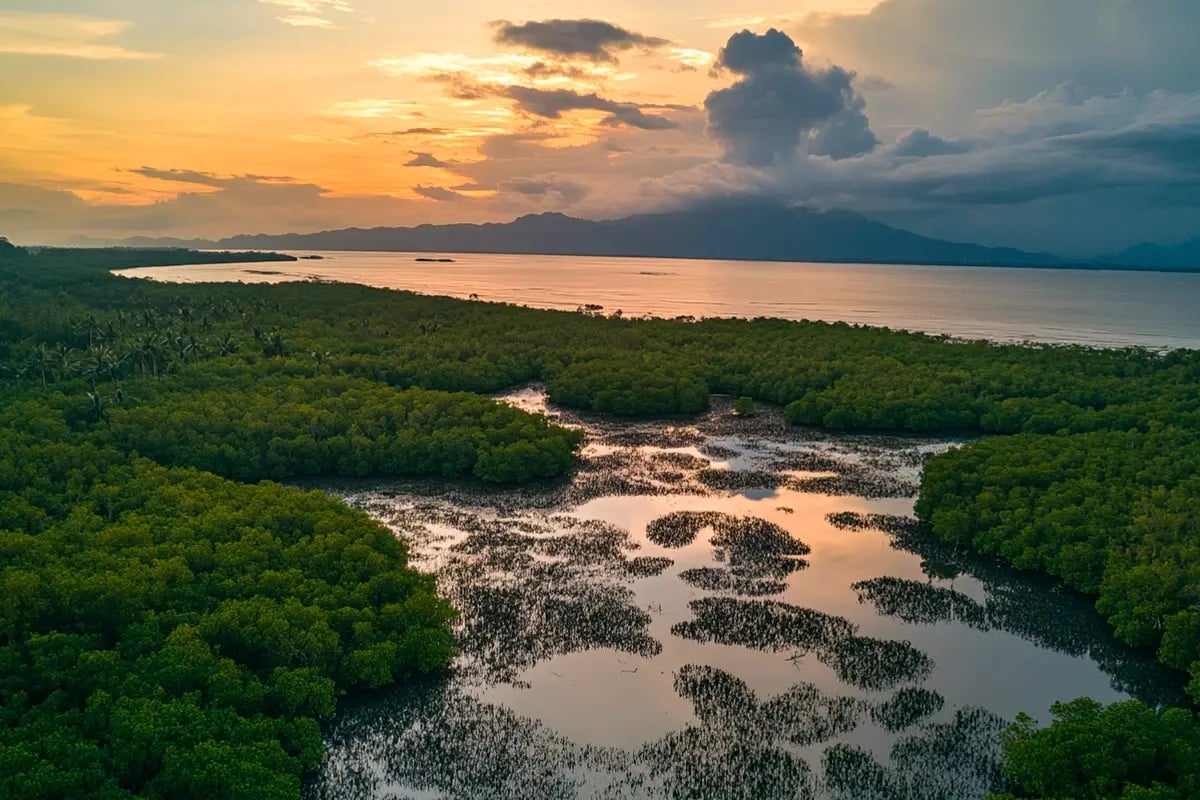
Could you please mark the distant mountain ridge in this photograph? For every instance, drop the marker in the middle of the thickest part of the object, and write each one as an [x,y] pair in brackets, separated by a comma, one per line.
[755,232]
[743,233]
[1181,257]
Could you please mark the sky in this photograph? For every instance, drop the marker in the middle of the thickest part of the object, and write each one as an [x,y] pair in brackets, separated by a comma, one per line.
[1070,126]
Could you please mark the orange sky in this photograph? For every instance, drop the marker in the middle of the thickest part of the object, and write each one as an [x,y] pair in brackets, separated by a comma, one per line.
[305,88]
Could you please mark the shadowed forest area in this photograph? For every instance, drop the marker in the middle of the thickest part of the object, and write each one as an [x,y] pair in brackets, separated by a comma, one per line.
[171,629]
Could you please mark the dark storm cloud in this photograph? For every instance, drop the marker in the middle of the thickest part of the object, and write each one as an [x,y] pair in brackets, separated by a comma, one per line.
[427,160]
[778,102]
[954,56]
[591,39]
[551,103]
[844,135]
[1174,145]
[923,144]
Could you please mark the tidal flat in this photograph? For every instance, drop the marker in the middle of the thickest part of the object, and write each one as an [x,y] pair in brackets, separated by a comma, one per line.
[719,608]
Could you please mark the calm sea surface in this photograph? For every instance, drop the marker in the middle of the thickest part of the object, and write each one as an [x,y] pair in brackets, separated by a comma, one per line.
[1115,309]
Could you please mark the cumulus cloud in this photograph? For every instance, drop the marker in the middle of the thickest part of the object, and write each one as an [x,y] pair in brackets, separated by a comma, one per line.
[779,104]
[950,57]
[1037,173]
[594,40]
[551,103]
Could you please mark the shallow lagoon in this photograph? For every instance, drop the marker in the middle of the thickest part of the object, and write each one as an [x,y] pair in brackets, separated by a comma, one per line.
[793,633]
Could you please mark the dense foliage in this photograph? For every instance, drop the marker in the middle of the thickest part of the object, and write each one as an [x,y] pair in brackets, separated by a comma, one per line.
[1093,479]
[1123,752]
[1114,513]
[282,428]
[168,633]
[630,388]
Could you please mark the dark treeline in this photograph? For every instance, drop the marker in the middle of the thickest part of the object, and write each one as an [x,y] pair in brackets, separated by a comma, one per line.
[1092,482]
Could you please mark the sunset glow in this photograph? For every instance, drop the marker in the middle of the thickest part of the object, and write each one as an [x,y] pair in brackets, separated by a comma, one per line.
[149,118]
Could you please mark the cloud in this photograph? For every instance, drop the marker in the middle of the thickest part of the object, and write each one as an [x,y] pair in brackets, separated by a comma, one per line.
[66,35]
[208,178]
[951,57]
[438,194]
[1038,174]
[427,160]
[466,73]
[690,59]
[406,132]
[552,189]
[376,108]
[920,143]
[309,13]
[306,21]
[550,104]
[779,104]
[593,40]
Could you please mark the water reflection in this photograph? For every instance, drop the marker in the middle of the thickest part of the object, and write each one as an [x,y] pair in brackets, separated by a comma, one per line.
[946,761]
[436,740]
[720,634]
[1035,608]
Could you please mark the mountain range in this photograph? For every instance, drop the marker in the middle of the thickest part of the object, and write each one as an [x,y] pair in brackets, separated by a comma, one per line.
[733,232]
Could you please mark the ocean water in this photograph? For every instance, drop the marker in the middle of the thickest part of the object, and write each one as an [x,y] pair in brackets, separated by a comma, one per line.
[1110,309]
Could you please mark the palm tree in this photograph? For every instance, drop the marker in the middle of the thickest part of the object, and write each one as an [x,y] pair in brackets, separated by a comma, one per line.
[90,327]
[97,403]
[228,345]
[66,365]
[39,362]
[322,358]
[17,371]
[273,344]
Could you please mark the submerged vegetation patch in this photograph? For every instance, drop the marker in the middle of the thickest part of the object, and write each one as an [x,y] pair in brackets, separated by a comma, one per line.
[717,579]
[761,624]
[680,528]
[906,708]
[537,587]
[921,603]
[943,761]
[875,664]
